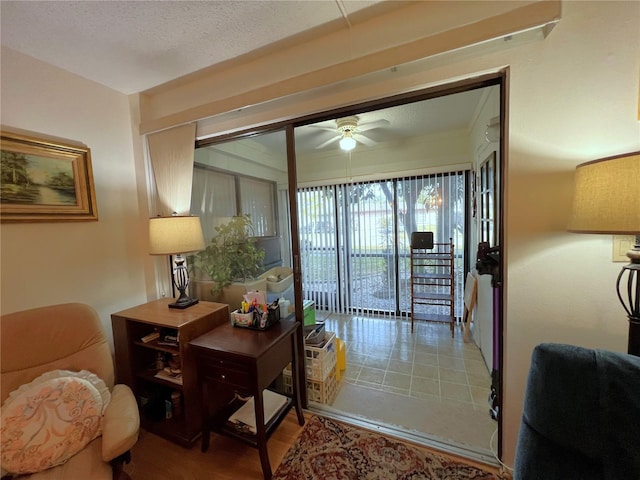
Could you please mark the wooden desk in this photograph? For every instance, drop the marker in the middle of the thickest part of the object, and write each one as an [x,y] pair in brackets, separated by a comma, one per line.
[235,359]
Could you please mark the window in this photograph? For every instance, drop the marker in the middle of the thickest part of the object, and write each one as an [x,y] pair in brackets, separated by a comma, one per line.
[218,195]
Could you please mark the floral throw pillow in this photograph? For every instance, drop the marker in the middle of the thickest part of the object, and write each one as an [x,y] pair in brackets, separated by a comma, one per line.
[47,421]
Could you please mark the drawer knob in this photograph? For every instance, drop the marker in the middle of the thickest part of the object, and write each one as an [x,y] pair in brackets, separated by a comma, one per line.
[223,377]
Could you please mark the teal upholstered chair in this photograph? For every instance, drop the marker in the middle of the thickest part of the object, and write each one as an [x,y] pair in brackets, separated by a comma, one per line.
[581,417]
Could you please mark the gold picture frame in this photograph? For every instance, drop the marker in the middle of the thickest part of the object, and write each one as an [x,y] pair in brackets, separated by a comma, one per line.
[45,181]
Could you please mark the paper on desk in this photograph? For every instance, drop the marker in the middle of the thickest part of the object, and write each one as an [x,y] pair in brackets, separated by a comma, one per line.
[245,415]
[259,295]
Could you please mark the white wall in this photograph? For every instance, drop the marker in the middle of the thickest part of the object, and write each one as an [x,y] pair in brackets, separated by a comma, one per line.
[99,263]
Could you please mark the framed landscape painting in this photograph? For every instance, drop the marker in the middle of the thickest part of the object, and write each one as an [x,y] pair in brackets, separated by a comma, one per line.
[45,181]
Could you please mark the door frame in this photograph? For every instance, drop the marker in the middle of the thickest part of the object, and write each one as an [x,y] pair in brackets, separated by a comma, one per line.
[499,78]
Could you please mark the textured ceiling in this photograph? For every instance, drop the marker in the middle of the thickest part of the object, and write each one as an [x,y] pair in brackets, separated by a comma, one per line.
[131,46]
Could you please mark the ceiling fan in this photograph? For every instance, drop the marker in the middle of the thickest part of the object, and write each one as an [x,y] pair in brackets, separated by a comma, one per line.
[349,132]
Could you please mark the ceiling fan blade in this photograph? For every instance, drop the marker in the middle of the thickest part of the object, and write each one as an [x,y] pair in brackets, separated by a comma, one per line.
[365,140]
[371,125]
[323,127]
[331,140]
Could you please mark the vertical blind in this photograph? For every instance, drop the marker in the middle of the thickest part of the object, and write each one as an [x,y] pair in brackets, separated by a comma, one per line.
[256,200]
[217,196]
[213,199]
[355,239]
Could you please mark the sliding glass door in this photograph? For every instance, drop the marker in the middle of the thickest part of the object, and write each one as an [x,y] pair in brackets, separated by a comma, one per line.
[355,239]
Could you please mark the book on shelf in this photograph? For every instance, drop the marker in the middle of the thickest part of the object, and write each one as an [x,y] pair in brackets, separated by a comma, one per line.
[152,336]
[170,377]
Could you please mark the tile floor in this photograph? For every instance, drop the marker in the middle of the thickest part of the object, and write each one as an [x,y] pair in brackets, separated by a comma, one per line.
[425,381]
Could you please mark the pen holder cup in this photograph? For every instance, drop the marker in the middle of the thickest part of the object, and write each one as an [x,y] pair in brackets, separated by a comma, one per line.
[256,320]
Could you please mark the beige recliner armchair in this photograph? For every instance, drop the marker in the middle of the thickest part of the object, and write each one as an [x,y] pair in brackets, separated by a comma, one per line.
[69,337]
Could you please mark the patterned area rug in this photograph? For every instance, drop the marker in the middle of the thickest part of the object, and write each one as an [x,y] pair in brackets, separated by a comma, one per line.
[329,450]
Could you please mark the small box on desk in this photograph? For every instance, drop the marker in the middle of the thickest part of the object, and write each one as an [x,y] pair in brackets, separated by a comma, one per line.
[239,319]
[256,319]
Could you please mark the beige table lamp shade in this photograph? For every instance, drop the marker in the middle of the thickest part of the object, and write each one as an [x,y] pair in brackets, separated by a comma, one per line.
[606,196]
[171,235]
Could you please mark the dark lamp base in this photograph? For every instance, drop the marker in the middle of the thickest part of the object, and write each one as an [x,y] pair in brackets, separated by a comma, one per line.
[634,336]
[184,302]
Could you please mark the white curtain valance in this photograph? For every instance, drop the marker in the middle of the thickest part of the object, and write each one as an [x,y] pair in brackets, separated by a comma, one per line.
[171,152]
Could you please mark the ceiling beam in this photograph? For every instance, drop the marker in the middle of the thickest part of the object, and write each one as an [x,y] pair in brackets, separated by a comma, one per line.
[245,85]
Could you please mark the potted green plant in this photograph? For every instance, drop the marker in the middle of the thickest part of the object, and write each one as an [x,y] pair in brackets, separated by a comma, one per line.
[231,257]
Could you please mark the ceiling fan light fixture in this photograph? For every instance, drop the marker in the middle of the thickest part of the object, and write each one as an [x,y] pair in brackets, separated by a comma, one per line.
[347,129]
[347,142]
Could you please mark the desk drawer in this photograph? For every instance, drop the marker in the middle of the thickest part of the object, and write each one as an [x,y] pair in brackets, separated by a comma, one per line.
[225,371]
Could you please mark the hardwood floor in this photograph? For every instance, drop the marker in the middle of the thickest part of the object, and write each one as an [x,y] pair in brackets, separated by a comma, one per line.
[154,458]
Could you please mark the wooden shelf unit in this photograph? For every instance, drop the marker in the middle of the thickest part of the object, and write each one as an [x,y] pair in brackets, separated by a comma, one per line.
[135,362]
[432,282]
